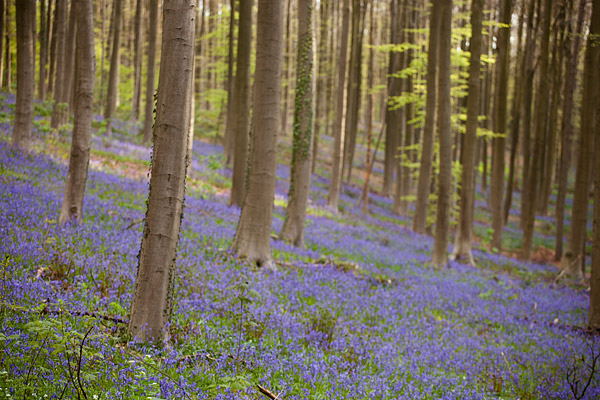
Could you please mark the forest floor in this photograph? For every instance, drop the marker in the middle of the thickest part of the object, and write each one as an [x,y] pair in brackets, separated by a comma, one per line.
[359,313]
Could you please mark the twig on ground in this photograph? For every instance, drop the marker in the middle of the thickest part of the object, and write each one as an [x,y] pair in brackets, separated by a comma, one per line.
[268,393]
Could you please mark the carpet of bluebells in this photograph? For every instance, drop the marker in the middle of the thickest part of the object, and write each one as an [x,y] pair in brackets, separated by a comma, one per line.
[357,314]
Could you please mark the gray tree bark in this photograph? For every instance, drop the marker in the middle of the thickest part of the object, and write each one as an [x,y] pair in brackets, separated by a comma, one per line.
[137,62]
[293,226]
[335,183]
[25,16]
[115,62]
[150,72]
[240,107]
[499,142]
[464,232]
[422,205]
[252,238]
[59,106]
[153,292]
[442,220]
[72,206]
[573,262]
[541,111]
[228,138]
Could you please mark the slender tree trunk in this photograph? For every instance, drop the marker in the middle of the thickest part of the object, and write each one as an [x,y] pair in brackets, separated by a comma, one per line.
[422,205]
[354,84]
[323,63]
[136,100]
[573,262]
[370,105]
[2,35]
[72,206]
[59,82]
[25,16]
[253,235]
[53,46]
[228,137]
[464,233]
[293,226]
[153,293]
[240,108]
[43,40]
[115,62]
[392,116]
[69,66]
[540,130]
[442,221]
[339,130]
[151,68]
[572,50]
[499,146]
[517,101]
[594,310]
[527,102]
[286,69]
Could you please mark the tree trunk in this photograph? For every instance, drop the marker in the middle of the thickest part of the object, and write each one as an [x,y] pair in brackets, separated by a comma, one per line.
[61,57]
[594,65]
[295,213]
[572,56]
[72,206]
[323,63]
[392,116]
[339,130]
[69,65]
[370,101]
[115,61]
[499,142]
[540,129]
[517,100]
[464,232]
[153,293]
[228,137]
[25,16]
[422,205]
[573,262]
[43,39]
[442,220]
[151,68]
[354,84]
[240,108]
[136,100]
[2,35]
[286,67]
[253,235]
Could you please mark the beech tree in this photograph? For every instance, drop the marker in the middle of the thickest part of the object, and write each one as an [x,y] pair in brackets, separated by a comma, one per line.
[335,183]
[427,141]
[115,61]
[150,69]
[25,14]
[72,206]
[152,296]
[293,226]
[238,119]
[464,230]
[442,220]
[253,234]
[59,82]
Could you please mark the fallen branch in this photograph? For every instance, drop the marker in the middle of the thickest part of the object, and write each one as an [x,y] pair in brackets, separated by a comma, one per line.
[268,393]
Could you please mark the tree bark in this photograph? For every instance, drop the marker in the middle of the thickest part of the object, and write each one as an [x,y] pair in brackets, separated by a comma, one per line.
[464,232]
[442,220]
[42,38]
[153,293]
[150,76]
[422,205]
[252,238]
[115,62]
[59,106]
[323,64]
[137,62]
[394,90]
[339,130]
[572,50]
[240,108]
[293,226]
[370,111]
[573,262]
[286,67]
[69,65]
[541,110]
[228,137]
[72,206]
[25,16]
[499,142]
[594,310]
